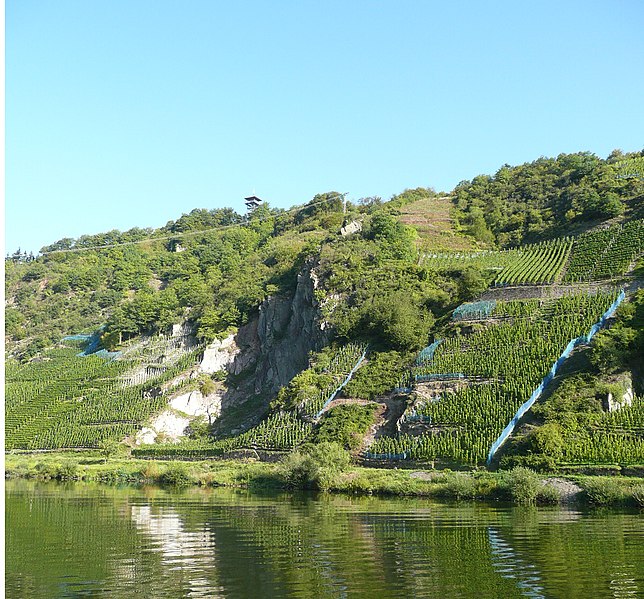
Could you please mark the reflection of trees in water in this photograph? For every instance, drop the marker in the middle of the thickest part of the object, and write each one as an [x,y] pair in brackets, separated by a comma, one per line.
[325,549]
[201,542]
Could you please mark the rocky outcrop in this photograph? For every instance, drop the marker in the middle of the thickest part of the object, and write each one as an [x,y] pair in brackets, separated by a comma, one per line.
[277,344]
[219,355]
[262,357]
[622,395]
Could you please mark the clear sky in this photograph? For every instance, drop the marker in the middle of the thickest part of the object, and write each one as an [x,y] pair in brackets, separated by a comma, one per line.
[123,113]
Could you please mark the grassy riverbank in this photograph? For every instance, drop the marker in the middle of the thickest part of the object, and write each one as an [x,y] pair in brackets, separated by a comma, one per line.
[332,472]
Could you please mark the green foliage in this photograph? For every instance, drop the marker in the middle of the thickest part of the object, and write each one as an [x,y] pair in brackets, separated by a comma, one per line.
[603,491]
[460,486]
[623,344]
[107,448]
[346,425]
[67,471]
[379,375]
[395,238]
[541,198]
[522,484]
[315,466]
[176,475]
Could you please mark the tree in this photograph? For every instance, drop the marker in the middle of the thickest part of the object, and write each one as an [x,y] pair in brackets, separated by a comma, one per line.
[107,448]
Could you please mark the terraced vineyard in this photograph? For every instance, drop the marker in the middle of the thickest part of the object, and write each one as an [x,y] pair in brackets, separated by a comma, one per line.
[69,401]
[618,437]
[533,264]
[606,253]
[497,369]
[280,431]
[539,264]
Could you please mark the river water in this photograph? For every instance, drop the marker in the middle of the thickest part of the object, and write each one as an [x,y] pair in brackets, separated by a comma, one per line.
[82,540]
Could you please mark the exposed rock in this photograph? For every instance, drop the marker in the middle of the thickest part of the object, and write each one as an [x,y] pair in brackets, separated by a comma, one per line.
[168,424]
[273,348]
[352,227]
[195,404]
[277,344]
[218,355]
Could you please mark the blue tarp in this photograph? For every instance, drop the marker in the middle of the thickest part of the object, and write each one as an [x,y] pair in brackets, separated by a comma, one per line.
[93,347]
[508,430]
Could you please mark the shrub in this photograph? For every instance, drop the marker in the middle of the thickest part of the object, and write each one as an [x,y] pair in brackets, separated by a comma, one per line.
[176,475]
[149,471]
[548,495]
[67,471]
[461,485]
[522,484]
[603,491]
[347,424]
[315,466]
[637,491]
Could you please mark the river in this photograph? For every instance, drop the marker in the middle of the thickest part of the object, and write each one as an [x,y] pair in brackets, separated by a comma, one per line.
[85,540]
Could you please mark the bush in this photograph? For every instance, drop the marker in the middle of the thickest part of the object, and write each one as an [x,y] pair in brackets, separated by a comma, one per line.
[67,471]
[149,471]
[346,424]
[548,495]
[637,491]
[377,376]
[461,485]
[315,466]
[603,491]
[523,485]
[176,475]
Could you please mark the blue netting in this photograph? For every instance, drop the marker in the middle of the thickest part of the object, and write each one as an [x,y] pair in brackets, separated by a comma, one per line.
[77,338]
[427,354]
[447,376]
[385,456]
[346,380]
[474,310]
[93,347]
[507,431]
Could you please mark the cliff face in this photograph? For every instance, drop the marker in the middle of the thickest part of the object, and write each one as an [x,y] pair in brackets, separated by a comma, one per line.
[272,349]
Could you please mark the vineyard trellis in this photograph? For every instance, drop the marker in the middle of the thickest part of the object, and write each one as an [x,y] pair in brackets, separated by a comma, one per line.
[501,366]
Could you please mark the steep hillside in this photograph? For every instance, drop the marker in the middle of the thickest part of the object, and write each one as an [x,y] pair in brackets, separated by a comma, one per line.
[232,332]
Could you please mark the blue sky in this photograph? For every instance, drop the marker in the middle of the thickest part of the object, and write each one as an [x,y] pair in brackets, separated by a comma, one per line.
[126,113]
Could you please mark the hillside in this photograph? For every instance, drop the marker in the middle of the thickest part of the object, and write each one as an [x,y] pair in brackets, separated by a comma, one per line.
[412,329]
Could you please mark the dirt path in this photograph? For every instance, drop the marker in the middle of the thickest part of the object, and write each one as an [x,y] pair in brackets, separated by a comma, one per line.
[389,412]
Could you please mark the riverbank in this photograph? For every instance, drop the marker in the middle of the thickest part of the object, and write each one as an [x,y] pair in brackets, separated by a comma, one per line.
[519,486]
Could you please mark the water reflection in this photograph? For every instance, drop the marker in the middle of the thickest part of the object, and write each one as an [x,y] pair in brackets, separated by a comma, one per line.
[192,552]
[103,541]
[509,565]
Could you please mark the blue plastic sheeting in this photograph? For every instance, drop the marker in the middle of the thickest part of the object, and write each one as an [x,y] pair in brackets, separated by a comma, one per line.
[353,370]
[474,310]
[509,429]
[418,418]
[77,338]
[385,456]
[93,347]
[427,353]
[422,378]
